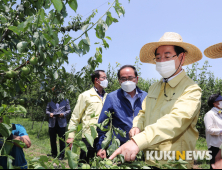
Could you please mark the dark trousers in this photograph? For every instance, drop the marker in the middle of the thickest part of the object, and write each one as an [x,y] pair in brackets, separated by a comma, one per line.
[91,151]
[214,153]
[53,138]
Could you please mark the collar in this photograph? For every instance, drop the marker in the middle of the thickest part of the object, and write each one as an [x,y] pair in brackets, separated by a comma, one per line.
[103,92]
[216,110]
[140,92]
[171,78]
[174,81]
[126,94]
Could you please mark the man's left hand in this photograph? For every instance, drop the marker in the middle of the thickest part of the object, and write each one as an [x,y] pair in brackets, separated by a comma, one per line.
[61,115]
[129,150]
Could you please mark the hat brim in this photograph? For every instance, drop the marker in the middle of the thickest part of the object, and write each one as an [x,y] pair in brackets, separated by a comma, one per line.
[214,51]
[219,98]
[147,52]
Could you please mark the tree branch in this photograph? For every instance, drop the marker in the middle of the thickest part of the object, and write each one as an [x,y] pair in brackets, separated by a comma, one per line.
[27,62]
[95,23]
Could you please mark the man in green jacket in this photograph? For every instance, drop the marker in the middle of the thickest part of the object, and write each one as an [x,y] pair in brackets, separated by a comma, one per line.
[89,102]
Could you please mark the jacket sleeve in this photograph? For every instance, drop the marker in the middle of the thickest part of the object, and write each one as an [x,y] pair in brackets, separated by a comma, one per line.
[68,109]
[101,135]
[170,126]
[48,109]
[138,121]
[77,114]
[210,125]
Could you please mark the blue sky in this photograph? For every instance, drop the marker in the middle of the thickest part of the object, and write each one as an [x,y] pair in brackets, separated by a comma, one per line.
[198,22]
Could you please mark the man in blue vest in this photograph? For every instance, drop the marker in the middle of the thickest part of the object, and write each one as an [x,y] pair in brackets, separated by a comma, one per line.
[125,103]
[19,133]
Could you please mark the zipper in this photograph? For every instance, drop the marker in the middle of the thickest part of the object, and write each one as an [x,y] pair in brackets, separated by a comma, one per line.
[134,107]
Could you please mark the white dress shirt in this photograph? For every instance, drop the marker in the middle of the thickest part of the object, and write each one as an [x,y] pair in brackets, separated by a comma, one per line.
[213,125]
[131,99]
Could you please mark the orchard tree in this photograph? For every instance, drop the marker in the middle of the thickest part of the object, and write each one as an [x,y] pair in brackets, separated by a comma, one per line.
[34,44]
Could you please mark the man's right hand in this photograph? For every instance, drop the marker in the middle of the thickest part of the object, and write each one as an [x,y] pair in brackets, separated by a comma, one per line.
[101,153]
[134,131]
[70,140]
[51,114]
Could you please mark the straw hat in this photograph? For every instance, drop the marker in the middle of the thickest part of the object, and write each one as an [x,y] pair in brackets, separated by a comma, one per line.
[147,53]
[214,51]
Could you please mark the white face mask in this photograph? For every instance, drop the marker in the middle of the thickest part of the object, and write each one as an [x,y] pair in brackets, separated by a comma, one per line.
[166,69]
[220,104]
[128,86]
[104,84]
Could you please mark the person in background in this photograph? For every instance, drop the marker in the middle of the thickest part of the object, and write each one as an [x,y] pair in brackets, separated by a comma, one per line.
[57,110]
[213,125]
[167,121]
[125,103]
[17,152]
[89,102]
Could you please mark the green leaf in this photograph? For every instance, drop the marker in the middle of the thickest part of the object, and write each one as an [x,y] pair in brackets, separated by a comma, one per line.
[11,109]
[89,138]
[21,46]
[105,122]
[105,44]
[42,14]
[67,39]
[20,109]
[101,127]
[86,42]
[44,159]
[107,140]
[120,132]
[9,163]
[72,129]
[14,29]
[7,148]
[6,120]
[93,132]
[119,9]
[115,20]
[58,5]
[24,25]
[5,130]
[82,145]
[47,37]
[20,143]
[1,110]
[84,28]
[71,157]
[108,38]
[109,19]
[73,4]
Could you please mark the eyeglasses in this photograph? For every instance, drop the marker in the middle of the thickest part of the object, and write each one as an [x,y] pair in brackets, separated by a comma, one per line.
[167,58]
[123,79]
[104,78]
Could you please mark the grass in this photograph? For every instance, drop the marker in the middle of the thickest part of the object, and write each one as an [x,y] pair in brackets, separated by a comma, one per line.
[41,146]
[201,144]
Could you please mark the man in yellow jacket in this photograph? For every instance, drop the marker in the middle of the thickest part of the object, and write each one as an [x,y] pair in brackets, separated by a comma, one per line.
[89,102]
[170,111]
